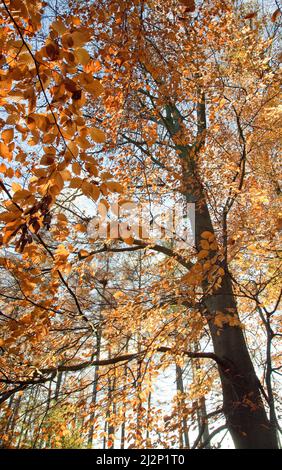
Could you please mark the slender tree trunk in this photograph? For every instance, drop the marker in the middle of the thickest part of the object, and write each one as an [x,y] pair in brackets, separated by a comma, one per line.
[183,426]
[48,404]
[109,442]
[111,427]
[123,425]
[94,390]
[12,424]
[29,431]
[24,421]
[203,425]
[244,410]
[10,407]
[139,409]
[202,419]
[139,378]
[58,385]
[148,441]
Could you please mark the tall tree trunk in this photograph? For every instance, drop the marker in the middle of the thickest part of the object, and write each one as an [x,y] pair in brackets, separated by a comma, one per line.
[244,410]
[242,402]
[58,385]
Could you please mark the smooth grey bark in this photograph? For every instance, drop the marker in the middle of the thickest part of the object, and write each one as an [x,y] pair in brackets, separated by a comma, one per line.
[94,389]
[58,385]
[201,410]
[246,417]
[244,410]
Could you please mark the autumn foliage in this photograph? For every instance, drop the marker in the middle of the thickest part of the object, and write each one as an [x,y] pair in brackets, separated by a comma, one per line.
[128,341]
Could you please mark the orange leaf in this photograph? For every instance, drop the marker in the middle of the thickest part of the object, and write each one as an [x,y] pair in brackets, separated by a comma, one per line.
[97,135]
[275,15]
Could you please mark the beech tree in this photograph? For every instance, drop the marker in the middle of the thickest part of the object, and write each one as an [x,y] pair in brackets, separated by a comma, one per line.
[109,103]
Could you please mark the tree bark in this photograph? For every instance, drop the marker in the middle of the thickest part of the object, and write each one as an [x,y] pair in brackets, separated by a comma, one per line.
[201,410]
[94,390]
[244,410]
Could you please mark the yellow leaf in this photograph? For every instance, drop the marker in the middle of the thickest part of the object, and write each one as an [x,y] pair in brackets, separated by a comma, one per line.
[22,194]
[90,189]
[59,26]
[61,251]
[76,183]
[221,272]
[16,187]
[58,179]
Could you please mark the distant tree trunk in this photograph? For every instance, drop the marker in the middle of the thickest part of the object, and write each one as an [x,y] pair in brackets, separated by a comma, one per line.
[10,407]
[202,422]
[123,425]
[112,412]
[183,425]
[139,408]
[105,433]
[28,426]
[94,389]
[48,404]
[28,412]
[109,428]
[201,411]
[24,421]
[12,422]
[58,385]
[148,442]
